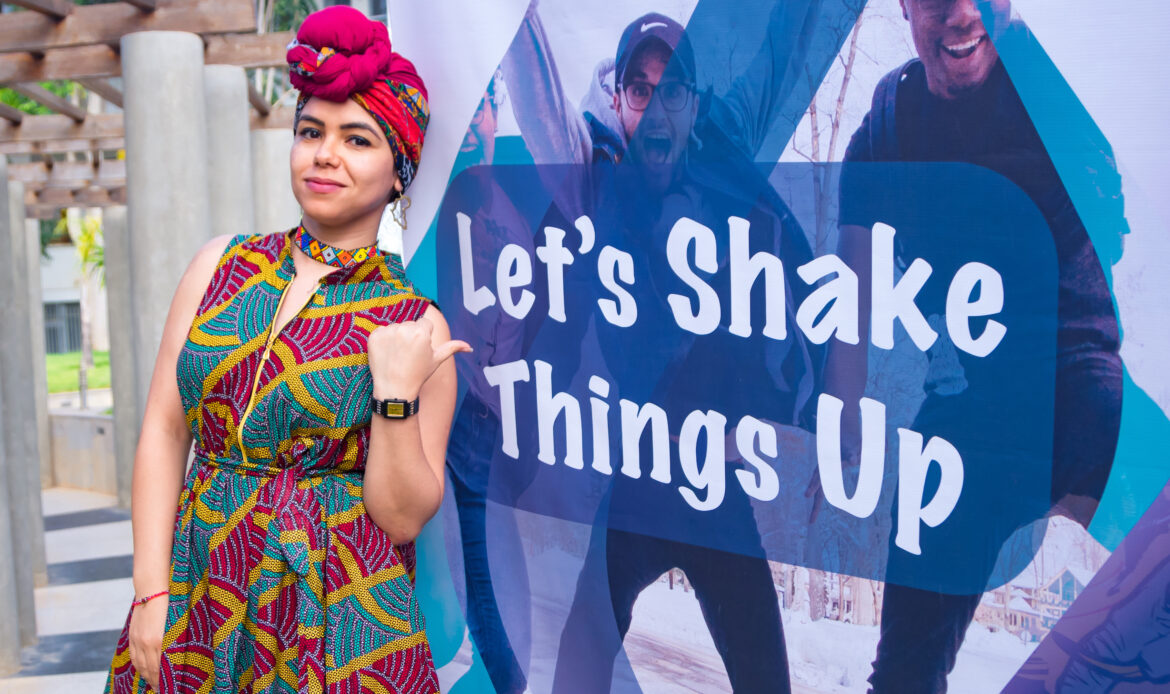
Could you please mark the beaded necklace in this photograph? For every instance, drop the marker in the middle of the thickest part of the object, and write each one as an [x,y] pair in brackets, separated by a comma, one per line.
[337,257]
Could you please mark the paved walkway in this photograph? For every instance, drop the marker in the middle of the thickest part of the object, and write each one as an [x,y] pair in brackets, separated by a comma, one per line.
[96,399]
[81,612]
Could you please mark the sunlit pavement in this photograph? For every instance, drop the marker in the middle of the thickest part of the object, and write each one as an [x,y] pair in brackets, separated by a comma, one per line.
[81,611]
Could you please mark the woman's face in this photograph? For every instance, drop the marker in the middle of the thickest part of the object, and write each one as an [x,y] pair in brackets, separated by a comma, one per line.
[342,166]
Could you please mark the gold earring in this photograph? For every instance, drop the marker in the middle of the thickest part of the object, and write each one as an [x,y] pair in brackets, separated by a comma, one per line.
[398,209]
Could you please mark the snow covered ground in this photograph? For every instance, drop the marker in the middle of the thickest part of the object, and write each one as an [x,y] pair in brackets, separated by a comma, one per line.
[824,656]
[668,647]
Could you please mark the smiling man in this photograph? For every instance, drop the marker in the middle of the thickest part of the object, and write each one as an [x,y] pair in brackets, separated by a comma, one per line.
[956,103]
[952,43]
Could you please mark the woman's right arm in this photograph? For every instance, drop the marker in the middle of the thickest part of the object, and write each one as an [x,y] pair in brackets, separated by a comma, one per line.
[160,464]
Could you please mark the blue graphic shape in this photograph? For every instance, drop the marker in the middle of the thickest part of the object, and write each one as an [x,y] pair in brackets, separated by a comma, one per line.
[1115,636]
[1000,421]
[1086,164]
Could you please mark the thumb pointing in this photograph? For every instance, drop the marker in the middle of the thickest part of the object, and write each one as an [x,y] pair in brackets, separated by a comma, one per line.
[449,348]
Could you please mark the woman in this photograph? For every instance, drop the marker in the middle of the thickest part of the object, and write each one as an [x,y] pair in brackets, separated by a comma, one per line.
[302,358]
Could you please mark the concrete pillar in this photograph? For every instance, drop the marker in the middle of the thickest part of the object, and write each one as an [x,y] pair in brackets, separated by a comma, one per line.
[123,377]
[22,460]
[36,315]
[166,179]
[229,152]
[276,208]
[10,596]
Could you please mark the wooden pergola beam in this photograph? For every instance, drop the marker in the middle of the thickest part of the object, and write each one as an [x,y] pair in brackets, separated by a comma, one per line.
[100,132]
[47,98]
[57,9]
[257,100]
[62,146]
[57,127]
[11,114]
[248,50]
[29,173]
[91,24]
[83,62]
[103,89]
[144,5]
[60,64]
[47,203]
[280,118]
[71,175]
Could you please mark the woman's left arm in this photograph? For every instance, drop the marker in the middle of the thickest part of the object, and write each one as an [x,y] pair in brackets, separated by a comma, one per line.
[403,484]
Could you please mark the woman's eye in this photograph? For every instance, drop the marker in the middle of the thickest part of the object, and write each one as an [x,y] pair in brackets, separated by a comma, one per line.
[359,141]
[309,132]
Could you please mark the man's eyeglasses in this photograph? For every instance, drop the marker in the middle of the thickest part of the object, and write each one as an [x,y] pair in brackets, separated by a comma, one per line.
[673,95]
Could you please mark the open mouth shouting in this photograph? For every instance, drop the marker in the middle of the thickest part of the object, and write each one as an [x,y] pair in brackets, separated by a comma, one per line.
[657,148]
[958,51]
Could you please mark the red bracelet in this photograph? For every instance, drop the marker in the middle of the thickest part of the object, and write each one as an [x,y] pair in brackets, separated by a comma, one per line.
[148,598]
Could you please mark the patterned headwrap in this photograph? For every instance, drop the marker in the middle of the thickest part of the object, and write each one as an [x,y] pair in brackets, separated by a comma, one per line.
[339,54]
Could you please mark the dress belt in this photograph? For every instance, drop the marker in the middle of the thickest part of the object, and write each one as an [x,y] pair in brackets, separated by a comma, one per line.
[253,470]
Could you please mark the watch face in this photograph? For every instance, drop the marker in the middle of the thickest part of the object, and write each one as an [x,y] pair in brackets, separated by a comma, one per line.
[395,408]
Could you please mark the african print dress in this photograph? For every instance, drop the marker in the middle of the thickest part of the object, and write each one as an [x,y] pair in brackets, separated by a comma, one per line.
[280,582]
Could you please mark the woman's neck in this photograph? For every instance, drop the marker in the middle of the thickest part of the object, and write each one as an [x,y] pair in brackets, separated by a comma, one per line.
[355,233]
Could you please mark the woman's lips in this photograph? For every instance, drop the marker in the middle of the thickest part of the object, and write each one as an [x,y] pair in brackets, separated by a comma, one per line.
[321,185]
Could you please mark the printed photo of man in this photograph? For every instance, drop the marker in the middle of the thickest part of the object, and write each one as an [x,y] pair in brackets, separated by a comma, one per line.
[955,102]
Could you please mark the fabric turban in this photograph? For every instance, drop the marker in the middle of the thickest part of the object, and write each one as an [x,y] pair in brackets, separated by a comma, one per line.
[339,54]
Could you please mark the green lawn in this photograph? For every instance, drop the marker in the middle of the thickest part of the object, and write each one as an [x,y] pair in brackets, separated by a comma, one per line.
[63,371]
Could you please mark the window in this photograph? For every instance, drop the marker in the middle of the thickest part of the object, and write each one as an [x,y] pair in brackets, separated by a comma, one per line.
[62,327]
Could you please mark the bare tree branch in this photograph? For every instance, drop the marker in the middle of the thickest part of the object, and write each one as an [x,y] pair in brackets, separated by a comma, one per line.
[797,150]
[815,143]
[844,87]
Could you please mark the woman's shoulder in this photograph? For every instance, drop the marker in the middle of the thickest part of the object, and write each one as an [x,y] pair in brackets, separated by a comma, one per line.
[214,271]
[265,244]
[220,248]
[221,253]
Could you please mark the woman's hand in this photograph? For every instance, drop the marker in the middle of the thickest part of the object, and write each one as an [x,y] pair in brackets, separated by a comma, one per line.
[403,479]
[402,357]
[147,626]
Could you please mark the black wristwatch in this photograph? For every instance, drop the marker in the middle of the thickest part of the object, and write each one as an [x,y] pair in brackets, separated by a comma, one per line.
[394,409]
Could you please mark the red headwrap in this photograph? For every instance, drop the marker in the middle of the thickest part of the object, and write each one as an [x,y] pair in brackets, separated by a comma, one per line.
[340,54]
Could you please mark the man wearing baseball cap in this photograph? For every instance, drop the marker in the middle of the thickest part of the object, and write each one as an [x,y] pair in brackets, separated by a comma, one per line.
[648,170]
[654,95]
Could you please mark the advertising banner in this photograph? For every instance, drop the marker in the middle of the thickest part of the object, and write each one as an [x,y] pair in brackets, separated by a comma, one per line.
[819,345]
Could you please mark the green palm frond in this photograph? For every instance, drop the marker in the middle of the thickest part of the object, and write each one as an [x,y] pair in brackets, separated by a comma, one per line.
[90,245]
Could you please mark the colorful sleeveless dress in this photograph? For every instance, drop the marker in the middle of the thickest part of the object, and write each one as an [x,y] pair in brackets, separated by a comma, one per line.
[280,582]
